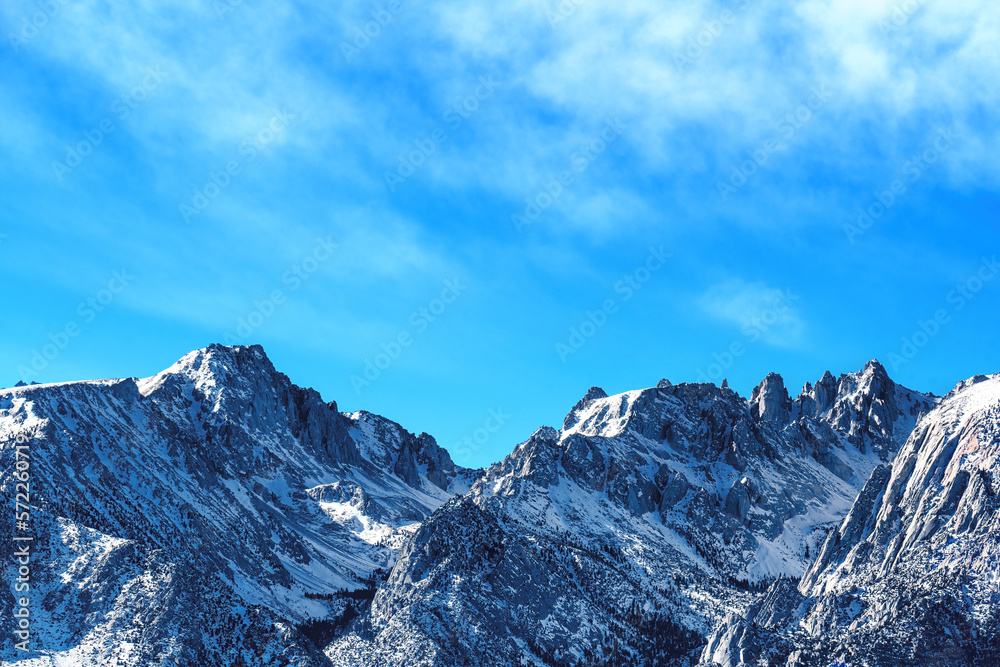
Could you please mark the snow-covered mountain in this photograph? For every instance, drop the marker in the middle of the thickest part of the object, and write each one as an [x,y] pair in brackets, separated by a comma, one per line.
[626,536]
[216,513]
[209,514]
[912,575]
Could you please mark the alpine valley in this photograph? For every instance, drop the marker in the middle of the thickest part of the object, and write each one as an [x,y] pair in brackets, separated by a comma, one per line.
[217,514]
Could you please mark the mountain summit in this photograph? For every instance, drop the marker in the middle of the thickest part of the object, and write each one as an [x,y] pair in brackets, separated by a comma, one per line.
[243,506]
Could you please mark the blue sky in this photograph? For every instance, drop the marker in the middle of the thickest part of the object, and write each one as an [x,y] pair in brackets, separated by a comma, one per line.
[527,198]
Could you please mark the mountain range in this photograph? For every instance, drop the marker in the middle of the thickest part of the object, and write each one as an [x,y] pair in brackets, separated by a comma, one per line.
[216,513]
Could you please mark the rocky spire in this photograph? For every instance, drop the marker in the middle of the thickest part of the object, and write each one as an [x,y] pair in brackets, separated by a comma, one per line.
[825,392]
[770,400]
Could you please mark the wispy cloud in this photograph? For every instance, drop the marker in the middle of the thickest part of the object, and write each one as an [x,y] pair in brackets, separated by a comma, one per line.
[760,311]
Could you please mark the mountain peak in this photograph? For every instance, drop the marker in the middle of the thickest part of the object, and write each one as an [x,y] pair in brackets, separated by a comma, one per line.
[215,368]
[211,488]
[593,394]
[965,384]
[876,367]
[220,359]
[868,406]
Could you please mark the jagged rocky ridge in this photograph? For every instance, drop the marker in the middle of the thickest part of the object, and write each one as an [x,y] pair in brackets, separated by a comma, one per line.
[626,536]
[911,577]
[212,513]
[208,514]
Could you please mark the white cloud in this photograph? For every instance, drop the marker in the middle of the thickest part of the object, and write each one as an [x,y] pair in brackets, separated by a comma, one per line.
[226,76]
[759,67]
[769,312]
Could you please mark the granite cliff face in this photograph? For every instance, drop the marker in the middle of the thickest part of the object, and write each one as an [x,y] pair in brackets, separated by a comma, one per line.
[909,577]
